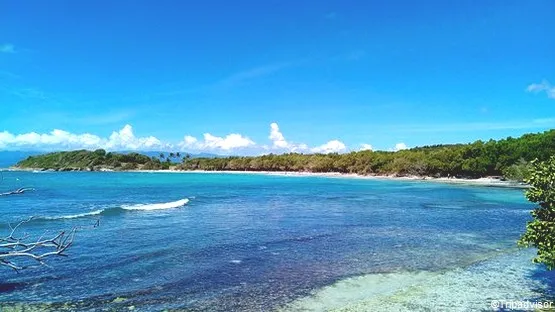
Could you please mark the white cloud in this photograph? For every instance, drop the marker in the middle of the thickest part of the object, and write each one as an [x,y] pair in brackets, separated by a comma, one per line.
[279,142]
[231,141]
[211,142]
[236,142]
[277,137]
[543,86]
[333,146]
[57,139]
[189,140]
[400,146]
[125,139]
[299,148]
[7,48]
[365,147]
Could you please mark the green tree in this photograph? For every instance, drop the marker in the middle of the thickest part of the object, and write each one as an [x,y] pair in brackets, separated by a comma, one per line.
[518,172]
[540,232]
[100,152]
[509,157]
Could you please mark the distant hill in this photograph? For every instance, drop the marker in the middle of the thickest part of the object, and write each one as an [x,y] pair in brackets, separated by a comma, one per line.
[83,160]
[11,158]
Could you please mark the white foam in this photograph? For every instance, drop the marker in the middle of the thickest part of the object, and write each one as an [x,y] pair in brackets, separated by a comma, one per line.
[80,215]
[159,206]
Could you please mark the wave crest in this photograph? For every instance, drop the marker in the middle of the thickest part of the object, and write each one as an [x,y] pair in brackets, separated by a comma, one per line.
[160,206]
[116,210]
[75,216]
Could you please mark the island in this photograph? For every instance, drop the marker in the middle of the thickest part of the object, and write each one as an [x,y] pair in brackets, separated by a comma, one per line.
[507,158]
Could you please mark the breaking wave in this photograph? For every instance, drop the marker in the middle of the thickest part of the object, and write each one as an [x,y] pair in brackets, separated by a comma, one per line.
[117,210]
[175,204]
[75,216]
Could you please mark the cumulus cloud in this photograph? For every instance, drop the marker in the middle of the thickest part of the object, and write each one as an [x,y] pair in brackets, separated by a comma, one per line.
[231,141]
[279,142]
[365,147]
[211,142]
[123,139]
[400,146]
[56,138]
[189,140]
[544,86]
[333,146]
[236,142]
[277,137]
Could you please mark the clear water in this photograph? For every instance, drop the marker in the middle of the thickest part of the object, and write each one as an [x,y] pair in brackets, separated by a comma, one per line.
[258,242]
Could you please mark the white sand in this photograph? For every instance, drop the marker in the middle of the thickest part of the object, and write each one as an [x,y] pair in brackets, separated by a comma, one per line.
[487,181]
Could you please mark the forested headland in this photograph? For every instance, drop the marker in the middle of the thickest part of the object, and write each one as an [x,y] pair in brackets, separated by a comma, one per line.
[83,160]
[509,158]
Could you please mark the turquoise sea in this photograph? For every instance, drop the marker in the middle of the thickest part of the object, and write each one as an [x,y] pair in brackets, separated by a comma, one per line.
[253,242]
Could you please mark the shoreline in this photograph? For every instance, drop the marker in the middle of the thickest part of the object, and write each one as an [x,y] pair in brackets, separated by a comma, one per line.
[483,181]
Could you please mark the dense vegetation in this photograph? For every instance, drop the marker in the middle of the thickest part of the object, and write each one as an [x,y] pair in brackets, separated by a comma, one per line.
[509,157]
[95,160]
[540,232]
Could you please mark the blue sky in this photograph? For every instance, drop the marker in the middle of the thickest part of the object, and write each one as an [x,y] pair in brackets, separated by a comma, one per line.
[214,75]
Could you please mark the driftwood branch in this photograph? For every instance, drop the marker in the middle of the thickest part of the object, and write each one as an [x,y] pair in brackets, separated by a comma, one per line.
[13,247]
[18,191]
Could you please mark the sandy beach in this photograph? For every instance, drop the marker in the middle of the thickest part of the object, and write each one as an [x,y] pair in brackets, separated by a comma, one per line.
[485,181]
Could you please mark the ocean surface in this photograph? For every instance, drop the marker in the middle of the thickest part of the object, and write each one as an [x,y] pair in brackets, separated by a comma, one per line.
[250,242]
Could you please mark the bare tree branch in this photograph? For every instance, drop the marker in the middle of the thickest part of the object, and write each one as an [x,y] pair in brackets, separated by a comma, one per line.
[12,247]
[18,191]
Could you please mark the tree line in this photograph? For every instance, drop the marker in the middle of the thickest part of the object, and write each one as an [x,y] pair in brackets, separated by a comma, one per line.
[508,157]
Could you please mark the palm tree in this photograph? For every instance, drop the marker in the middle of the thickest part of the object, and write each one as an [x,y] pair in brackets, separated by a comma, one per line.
[162,156]
[171,155]
[178,155]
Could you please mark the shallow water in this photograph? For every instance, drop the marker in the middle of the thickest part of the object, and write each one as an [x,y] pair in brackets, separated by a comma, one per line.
[223,242]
